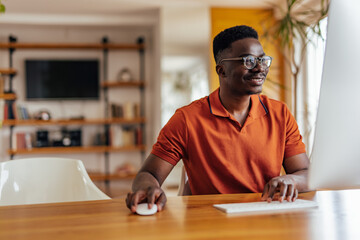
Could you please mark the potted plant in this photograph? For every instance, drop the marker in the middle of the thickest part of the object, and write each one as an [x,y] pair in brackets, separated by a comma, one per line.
[296,25]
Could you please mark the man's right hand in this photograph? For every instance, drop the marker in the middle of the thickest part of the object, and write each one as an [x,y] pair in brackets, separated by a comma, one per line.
[146,186]
[150,195]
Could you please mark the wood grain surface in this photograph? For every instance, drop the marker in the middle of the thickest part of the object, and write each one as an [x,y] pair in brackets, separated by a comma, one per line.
[189,217]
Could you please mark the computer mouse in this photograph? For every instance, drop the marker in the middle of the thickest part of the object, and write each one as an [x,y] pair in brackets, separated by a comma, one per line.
[143,209]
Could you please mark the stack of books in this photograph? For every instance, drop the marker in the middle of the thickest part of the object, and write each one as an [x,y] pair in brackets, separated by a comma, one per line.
[21,140]
[120,136]
[14,111]
[127,110]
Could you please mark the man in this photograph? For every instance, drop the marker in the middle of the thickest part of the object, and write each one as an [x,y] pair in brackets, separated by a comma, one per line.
[232,141]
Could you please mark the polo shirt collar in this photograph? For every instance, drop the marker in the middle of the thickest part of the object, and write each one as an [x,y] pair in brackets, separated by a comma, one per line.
[258,108]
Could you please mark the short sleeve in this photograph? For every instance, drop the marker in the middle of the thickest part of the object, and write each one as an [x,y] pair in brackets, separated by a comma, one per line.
[293,143]
[171,143]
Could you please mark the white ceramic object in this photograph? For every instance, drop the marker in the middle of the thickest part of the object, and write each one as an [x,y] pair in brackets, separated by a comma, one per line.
[46,180]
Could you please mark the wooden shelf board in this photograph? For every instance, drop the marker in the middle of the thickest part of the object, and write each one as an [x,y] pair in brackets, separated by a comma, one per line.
[122,84]
[126,121]
[8,71]
[87,46]
[126,149]
[96,149]
[110,177]
[8,96]
[30,122]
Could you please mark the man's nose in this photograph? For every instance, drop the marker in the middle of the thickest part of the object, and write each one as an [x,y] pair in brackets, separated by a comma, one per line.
[259,67]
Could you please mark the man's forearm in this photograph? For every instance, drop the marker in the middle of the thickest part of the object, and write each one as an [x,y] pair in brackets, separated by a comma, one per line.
[301,179]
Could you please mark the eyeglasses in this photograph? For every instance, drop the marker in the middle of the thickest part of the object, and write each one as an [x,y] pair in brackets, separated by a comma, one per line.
[250,61]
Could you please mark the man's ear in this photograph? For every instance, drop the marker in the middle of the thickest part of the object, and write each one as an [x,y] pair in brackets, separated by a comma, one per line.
[220,70]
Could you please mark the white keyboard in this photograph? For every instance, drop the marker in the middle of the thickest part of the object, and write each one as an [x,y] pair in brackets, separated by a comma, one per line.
[252,207]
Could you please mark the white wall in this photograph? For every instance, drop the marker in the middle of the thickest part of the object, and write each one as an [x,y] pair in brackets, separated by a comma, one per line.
[185,50]
[89,109]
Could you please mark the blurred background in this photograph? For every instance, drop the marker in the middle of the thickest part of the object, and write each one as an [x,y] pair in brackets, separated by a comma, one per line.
[179,65]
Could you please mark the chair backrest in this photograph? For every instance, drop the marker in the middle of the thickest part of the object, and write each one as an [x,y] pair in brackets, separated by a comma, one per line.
[46,180]
[184,187]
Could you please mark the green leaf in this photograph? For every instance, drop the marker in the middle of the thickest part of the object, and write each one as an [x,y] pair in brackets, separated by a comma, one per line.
[2,8]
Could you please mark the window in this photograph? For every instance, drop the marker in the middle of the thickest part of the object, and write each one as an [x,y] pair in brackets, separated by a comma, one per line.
[314,66]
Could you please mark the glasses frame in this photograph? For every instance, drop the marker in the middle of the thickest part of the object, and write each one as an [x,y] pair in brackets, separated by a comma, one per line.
[257,60]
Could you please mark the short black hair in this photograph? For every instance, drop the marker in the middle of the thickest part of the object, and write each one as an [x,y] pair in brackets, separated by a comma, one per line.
[225,38]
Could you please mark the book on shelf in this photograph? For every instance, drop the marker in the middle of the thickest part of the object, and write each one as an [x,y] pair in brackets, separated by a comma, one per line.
[22,140]
[116,136]
[128,137]
[132,110]
[138,136]
[12,106]
[2,115]
[120,136]
[2,84]
[136,110]
[126,110]
[22,112]
[116,110]
[129,110]
[11,110]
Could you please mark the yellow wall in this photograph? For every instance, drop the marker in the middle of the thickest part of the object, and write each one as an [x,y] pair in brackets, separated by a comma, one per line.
[259,19]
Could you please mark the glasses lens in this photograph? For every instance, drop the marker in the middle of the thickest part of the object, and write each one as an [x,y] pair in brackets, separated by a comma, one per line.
[266,61]
[249,62]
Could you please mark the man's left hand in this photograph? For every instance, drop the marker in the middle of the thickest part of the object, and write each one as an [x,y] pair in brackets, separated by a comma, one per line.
[288,186]
[284,187]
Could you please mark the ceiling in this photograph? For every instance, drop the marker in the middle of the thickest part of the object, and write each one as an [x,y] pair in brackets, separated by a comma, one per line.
[117,6]
[185,24]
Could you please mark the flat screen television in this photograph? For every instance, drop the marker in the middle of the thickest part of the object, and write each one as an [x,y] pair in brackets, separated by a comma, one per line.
[71,79]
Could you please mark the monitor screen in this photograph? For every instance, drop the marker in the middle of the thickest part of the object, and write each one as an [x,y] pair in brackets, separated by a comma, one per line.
[335,160]
[62,79]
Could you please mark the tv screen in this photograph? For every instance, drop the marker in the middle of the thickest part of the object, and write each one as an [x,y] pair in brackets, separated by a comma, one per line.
[62,79]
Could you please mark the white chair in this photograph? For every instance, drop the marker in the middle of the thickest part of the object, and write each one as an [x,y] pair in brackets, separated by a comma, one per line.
[184,187]
[46,180]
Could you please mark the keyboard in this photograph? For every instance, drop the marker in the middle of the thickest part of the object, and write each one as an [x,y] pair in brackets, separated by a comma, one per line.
[253,207]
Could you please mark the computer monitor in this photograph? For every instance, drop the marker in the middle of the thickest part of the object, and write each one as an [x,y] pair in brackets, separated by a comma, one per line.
[335,159]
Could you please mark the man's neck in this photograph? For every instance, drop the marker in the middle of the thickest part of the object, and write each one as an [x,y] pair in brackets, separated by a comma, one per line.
[238,106]
[235,104]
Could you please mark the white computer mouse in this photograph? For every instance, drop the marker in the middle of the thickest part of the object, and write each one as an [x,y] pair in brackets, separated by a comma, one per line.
[143,209]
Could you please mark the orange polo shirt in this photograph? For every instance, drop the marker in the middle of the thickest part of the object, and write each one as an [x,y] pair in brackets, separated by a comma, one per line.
[220,155]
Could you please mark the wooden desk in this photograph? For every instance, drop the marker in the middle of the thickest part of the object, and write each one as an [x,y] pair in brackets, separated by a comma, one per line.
[194,217]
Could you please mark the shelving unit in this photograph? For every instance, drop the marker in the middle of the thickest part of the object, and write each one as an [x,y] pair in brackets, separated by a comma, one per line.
[64,122]
[122,84]
[94,149]
[106,85]
[12,44]
[101,177]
